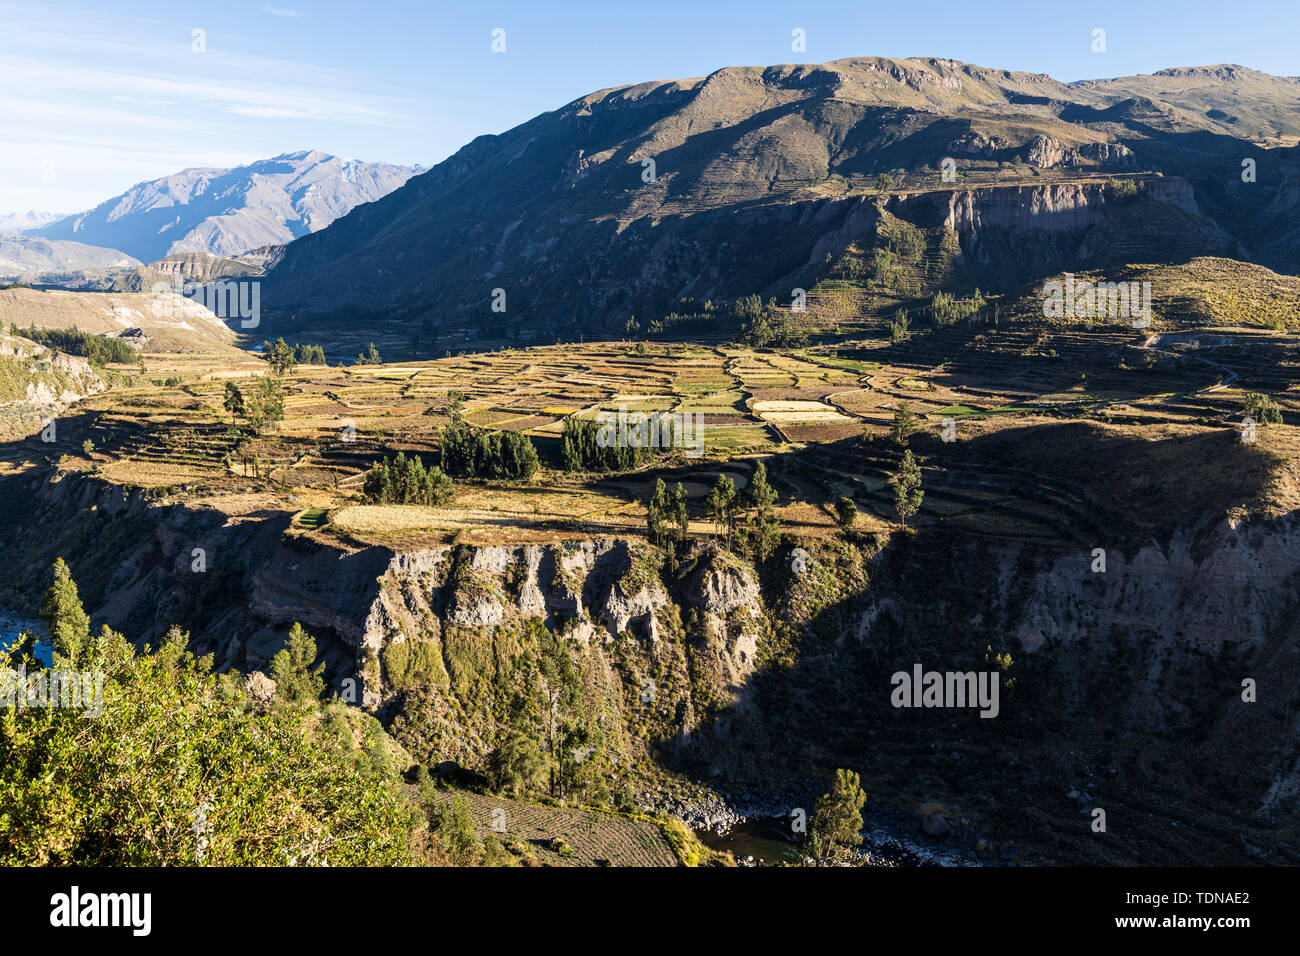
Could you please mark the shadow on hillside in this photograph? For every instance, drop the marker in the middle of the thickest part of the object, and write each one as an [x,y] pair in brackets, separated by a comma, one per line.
[1068,482]
[1157,746]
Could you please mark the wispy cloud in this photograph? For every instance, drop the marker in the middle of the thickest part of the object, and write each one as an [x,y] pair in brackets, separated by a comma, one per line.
[327,103]
[281,12]
[113,107]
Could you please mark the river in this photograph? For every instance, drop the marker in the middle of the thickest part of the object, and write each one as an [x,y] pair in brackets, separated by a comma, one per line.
[13,624]
[766,842]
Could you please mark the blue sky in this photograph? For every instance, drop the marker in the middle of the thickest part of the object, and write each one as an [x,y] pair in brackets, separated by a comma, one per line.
[97,97]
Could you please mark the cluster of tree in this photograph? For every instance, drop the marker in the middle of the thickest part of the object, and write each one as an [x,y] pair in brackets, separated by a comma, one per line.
[666,518]
[945,310]
[309,354]
[581,451]
[369,357]
[96,349]
[902,239]
[689,317]
[723,507]
[470,452]
[882,263]
[632,328]
[763,325]
[283,357]
[261,405]
[773,329]
[898,327]
[758,529]
[1123,190]
[755,322]
[549,740]
[848,266]
[454,835]
[405,481]
[260,786]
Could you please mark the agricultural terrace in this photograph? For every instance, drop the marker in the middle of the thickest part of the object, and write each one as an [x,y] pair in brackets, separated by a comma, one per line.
[1039,410]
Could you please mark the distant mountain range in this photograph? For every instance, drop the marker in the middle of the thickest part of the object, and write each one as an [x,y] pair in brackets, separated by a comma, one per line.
[228,212]
[16,222]
[756,179]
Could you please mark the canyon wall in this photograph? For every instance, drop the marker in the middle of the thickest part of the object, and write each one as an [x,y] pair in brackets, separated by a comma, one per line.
[752,680]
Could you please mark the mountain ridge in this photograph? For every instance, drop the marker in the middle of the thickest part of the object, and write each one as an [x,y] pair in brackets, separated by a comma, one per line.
[566,213]
[230,211]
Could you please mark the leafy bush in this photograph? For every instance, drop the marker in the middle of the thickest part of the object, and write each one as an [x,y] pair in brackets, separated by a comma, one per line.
[1261,407]
[1122,190]
[179,770]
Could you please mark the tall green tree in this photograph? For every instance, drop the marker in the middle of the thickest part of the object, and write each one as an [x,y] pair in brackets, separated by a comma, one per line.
[66,619]
[679,516]
[561,692]
[265,405]
[234,401]
[296,682]
[905,422]
[761,524]
[658,515]
[846,513]
[1260,407]
[907,487]
[721,507]
[836,824]
[280,355]
[516,765]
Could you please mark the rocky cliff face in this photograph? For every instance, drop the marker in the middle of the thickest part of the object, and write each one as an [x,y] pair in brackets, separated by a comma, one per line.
[1008,236]
[37,384]
[599,591]
[1046,152]
[1235,586]
[1049,207]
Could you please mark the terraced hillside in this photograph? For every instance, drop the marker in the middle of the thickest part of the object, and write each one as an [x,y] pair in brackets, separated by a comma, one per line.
[1041,440]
